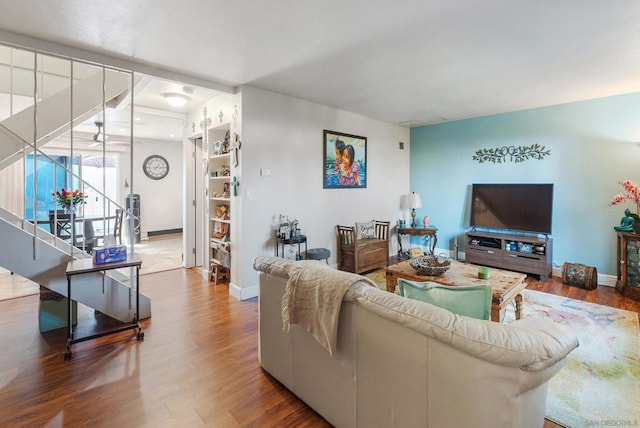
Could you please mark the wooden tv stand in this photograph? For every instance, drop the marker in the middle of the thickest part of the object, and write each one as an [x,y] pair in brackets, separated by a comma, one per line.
[520,253]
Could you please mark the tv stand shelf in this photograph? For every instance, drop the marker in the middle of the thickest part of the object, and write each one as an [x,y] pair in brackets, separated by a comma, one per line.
[520,253]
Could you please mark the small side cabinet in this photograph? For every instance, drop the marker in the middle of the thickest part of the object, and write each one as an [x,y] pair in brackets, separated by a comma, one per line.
[628,283]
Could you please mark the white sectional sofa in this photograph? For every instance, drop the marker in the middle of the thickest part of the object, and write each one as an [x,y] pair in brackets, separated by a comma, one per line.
[405,363]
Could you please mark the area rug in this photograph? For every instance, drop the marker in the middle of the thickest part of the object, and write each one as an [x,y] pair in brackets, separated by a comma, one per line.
[159,254]
[378,276]
[600,383]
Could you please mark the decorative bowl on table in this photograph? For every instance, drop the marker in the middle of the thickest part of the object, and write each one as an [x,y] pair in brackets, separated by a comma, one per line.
[430,265]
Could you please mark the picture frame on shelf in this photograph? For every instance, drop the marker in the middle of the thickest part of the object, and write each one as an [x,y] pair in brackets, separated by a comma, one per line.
[226,144]
[344,161]
[217,147]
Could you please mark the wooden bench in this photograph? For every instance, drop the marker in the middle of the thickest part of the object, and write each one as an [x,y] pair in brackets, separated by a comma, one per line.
[359,255]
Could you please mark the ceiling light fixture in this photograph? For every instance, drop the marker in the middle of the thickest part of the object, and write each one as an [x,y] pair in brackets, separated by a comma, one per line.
[176,100]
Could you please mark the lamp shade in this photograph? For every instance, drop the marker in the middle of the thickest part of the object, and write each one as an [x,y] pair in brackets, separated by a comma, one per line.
[415,201]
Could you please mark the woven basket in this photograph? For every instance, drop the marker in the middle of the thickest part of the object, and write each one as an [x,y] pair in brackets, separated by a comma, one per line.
[429,265]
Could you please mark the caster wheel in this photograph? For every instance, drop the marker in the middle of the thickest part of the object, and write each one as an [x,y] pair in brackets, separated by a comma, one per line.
[141,335]
[67,355]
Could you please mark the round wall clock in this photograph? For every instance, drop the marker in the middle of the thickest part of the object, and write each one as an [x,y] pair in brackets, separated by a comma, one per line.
[155,167]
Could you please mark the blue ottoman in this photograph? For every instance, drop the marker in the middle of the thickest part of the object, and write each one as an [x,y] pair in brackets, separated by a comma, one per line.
[319,254]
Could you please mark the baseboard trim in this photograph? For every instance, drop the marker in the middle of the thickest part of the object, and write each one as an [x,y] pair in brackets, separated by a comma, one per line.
[243,293]
[164,232]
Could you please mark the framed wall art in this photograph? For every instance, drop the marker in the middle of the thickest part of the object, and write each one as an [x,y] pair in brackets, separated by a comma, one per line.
[344,161]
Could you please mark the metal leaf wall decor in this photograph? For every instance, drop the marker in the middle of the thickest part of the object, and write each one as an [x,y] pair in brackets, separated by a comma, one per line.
[515,154]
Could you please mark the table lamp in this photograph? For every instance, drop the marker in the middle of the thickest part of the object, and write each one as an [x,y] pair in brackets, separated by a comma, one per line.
[414,202]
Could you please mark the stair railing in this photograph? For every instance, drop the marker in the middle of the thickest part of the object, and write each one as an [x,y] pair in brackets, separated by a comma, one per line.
[109,208]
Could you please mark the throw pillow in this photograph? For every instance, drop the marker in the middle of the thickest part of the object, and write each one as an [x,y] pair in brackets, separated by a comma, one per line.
[366,230]
[473,301]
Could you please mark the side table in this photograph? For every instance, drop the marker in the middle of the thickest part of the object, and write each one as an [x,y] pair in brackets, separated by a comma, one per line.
[429,232]
[84,266]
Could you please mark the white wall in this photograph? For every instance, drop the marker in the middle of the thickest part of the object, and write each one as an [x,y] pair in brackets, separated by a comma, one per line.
[160,200]
[284,135]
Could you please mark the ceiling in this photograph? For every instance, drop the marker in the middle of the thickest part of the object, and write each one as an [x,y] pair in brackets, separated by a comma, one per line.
[154,118]
[411,62]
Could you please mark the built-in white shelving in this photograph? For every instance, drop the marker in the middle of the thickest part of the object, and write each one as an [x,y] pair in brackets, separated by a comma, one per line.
[219,191]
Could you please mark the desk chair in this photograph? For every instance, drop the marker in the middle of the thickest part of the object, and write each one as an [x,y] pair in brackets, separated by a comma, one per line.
[60,224]
[109,232]
[473,301]
[89,239]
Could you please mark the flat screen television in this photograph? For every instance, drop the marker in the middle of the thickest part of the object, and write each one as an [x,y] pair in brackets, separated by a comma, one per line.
[517,207]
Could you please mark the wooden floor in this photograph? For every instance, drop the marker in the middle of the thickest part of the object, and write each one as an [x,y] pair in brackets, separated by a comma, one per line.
[198,364]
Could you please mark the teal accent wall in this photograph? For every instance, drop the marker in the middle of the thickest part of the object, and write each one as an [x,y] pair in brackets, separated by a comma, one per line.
[593,147]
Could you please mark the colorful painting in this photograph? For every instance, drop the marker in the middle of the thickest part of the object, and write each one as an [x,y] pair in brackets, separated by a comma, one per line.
[345,161]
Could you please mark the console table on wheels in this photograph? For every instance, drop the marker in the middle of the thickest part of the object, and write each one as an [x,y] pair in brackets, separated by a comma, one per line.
[300,239]
[429,232]
[84,266]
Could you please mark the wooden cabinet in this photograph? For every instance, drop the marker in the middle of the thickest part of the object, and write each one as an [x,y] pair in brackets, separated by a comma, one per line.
[362,255]
[219,191]
[520,253]
[628,283]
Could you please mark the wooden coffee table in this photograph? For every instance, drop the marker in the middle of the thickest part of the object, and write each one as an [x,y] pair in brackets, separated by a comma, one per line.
[507,286]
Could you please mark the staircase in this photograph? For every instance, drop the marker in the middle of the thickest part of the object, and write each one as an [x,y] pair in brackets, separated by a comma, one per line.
[42,258]
[36,254]
[54,113]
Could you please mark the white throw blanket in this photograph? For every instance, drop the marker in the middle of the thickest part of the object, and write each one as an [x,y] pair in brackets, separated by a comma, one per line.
[313,298]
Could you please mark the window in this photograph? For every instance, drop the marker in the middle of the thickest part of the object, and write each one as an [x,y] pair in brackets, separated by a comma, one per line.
[51,178]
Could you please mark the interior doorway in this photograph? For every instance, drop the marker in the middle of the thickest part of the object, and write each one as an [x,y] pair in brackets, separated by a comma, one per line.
[195,254]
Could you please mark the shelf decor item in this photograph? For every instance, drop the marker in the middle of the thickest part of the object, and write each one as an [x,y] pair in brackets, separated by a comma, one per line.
[514,154]
[580,275]
[429,265]
[484,272]
[631,221]
[106,255]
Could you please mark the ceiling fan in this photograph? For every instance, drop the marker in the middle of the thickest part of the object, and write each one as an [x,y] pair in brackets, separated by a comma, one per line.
[93,140]
[99,137]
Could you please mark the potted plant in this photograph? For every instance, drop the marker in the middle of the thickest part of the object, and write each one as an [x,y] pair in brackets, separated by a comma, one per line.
[631,193]
[68,200]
